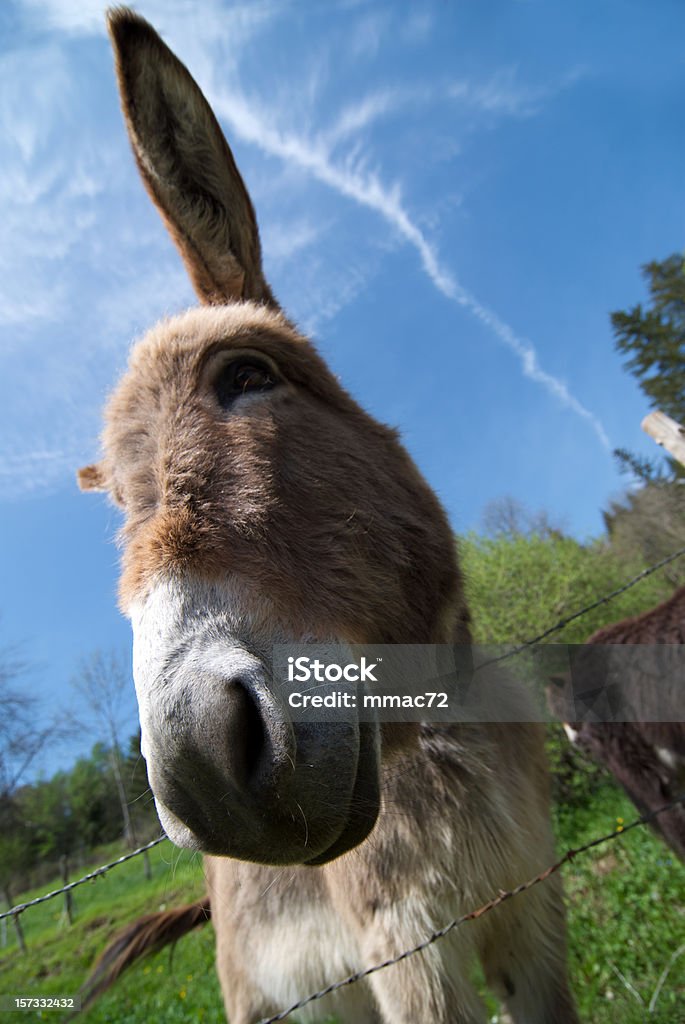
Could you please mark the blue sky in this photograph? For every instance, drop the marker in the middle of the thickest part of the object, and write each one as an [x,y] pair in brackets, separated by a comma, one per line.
[452,196]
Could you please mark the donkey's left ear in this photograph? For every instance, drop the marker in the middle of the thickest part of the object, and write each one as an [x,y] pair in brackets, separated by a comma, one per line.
[91,478]
[187,166]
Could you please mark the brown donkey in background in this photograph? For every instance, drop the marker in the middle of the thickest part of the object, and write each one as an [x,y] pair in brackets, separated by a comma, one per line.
[646,755]
[262,505]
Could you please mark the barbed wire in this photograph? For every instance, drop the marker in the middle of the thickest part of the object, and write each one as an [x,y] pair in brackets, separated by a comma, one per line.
[583,611]
[496,901]
[21,907]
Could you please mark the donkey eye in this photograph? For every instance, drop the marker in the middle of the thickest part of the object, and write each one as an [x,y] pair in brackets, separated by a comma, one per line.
[241,376]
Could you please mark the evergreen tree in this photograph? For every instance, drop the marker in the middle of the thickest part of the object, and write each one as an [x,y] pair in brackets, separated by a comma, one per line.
[649,523]
[653,340]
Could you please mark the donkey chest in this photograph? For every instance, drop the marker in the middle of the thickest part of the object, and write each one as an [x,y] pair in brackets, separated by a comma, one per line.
[278,931]
[304,953]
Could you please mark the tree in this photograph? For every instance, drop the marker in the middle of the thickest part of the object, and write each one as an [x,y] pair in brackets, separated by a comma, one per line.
[94,798]
[101,684]
[22,735]
[138,784]
[509,517]
[47,811]
[648,524]
[15,851]
[653,340]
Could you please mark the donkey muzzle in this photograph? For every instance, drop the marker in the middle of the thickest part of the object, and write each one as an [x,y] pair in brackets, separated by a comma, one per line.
[232,775]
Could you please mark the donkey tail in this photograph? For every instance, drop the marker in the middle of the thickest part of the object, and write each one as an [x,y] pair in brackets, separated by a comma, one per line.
[145,936]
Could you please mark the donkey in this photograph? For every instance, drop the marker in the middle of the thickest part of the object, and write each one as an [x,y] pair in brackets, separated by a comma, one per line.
[646,756]
[263,506]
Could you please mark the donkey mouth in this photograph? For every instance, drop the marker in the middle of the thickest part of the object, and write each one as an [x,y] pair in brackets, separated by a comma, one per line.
[364,801]
[321,823]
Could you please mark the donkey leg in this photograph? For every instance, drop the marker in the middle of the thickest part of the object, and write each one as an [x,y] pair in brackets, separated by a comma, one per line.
[407,993]
[525,958]
[432,985]
[243,1002]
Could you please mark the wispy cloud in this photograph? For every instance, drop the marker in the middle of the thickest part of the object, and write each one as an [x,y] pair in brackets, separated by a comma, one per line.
[27,471]
[41,197]
[282,240]
[83,18]
[367,34]
[367,189]
[416,25]
[504,94]
[529,361]
[87,17]
[330,291]
[356,117]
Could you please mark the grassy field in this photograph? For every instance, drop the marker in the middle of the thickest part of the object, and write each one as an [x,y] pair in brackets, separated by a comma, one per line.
[626,910]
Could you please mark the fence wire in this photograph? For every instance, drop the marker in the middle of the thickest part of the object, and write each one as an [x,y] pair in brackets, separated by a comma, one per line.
[502,897]
[21,907]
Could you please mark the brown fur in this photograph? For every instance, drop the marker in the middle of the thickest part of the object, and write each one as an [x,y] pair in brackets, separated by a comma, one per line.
[631,749]
[144,937]
[664,624]
[207,495]
[317,518]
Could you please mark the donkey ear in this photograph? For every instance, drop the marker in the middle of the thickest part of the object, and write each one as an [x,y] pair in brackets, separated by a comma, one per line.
[187,165]
[91,478]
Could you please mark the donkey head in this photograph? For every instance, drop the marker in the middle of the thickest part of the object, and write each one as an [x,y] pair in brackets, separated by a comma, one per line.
[261,506]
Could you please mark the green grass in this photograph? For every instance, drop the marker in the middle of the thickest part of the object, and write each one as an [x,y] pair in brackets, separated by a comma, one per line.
[626,903]
[626,914]
[169,988]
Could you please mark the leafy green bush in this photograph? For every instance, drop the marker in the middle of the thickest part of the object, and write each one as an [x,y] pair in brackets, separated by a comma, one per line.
[517,586]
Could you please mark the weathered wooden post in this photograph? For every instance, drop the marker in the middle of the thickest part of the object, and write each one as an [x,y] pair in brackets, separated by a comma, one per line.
[666,432]
[68,905]
[21,941]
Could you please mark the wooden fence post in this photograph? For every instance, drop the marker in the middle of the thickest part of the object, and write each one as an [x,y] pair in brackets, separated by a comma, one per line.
[666,432]
[17,923]
[68,905]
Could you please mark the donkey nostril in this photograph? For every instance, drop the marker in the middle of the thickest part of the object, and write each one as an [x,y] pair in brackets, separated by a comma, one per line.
[245,733]
[255,737]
